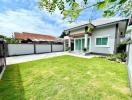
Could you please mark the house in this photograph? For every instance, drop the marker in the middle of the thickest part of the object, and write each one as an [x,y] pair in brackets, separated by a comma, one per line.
[126,37]
[26,37]
[103,39]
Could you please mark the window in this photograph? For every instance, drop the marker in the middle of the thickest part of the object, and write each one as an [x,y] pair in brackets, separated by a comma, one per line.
[102,41]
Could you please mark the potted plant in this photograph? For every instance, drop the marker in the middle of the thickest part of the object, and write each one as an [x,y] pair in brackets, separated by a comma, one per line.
[85,51]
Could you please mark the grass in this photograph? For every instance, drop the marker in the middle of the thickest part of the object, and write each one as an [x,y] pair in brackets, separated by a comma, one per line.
[66,78]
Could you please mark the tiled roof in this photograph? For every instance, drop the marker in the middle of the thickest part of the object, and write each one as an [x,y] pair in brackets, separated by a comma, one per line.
[102,21]
[98,22]
[34,37]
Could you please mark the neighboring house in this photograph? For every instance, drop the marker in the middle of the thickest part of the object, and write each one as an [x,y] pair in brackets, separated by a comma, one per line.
[104,39]
[31,37]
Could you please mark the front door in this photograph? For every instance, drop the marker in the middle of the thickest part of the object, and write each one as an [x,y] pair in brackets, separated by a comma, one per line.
[83,41]
[79,44]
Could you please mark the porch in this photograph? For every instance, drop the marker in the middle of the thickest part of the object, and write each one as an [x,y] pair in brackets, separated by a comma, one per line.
[78,43]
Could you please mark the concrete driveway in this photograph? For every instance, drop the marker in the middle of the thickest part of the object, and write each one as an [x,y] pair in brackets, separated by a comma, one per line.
[26,58]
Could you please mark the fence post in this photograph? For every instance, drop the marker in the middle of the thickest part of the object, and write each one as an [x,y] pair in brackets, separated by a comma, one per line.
[51,47]
[6,50]
[63,47]
[34,48]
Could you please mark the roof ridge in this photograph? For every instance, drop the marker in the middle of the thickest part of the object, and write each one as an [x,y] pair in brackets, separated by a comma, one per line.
[36,34]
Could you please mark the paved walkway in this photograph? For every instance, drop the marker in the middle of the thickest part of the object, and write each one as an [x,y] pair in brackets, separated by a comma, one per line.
[25,58]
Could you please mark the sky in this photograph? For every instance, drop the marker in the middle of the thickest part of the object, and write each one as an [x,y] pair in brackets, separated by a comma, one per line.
[25,16]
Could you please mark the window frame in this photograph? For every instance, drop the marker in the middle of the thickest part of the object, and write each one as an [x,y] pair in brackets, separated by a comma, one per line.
[102,37]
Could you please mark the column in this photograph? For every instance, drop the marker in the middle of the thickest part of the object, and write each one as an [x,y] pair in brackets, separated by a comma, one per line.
[74,44]
[69,44]
[90,43]
[86,41]
[131,34]
[64,45]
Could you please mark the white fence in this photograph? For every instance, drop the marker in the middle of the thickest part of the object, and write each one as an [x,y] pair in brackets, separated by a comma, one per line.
[19,49]
[41,48]
[130,63]
[23,49]
[57,48]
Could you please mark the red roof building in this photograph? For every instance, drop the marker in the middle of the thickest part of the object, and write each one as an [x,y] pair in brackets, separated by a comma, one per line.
[34,37]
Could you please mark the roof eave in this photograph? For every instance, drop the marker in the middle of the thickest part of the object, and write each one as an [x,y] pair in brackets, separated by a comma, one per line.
[112,23]
[81,26]
[78,27]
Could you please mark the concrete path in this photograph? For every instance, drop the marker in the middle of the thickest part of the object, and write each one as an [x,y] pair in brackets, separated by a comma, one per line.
[25,58]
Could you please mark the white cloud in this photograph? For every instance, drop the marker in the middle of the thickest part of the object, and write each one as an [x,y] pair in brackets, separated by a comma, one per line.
[31,21]
[17,17]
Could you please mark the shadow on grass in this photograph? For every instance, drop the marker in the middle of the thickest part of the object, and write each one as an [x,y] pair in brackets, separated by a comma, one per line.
[11,85]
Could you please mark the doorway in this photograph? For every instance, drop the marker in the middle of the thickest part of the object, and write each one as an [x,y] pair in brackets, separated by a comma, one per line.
[79,44]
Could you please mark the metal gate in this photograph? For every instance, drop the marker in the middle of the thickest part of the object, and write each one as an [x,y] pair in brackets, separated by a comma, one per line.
[2,58]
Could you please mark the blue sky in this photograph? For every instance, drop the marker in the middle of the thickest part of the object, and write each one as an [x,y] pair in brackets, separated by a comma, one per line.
[25,16]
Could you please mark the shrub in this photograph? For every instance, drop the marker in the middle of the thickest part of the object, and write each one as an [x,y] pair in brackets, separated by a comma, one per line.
[111,57]
[68,48]
[119,57]
[121,48]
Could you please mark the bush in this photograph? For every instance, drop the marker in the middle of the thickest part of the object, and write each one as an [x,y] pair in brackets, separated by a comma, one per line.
[119,57]
[122,48]
[68,48]
[111,57]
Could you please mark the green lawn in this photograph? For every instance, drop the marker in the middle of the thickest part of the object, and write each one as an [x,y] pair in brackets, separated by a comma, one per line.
[66,78]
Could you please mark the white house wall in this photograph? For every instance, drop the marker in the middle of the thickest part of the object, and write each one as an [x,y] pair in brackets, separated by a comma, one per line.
[82,30]
[105,31]
[19,49]
[41,48]
[109,31]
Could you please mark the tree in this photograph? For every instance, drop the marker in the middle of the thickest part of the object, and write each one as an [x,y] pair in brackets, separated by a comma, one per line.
[9,40]
[71,9]
[63,34]
[1,36]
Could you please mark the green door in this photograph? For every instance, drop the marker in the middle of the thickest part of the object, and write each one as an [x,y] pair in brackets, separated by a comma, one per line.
[83,43]
[78,44]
